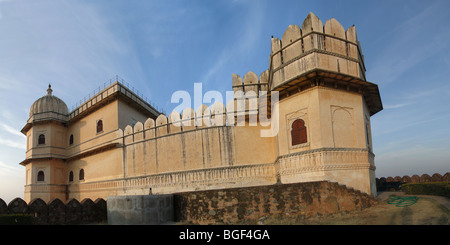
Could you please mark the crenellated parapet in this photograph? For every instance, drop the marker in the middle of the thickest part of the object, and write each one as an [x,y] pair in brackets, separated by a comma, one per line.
[316,54]
[316,46]
[189,120]
[251,97]
[251,82]
[320,55]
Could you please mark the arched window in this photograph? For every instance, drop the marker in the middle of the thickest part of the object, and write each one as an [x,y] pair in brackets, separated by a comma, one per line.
[81,175]
[298,132]
[71,139]
[99,126]
[70,176]
[41,139]
[40,176]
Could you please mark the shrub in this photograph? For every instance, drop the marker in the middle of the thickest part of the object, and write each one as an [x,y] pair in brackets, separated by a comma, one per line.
[428,188]
[16,219]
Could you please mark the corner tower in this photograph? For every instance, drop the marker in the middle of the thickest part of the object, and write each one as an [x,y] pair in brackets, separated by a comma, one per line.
[45,152]
[325,105]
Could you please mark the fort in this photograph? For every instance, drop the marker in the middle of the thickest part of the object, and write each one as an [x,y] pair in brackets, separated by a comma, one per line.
[314,100]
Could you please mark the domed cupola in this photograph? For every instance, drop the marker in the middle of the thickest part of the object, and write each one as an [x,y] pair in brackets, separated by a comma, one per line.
[48,107]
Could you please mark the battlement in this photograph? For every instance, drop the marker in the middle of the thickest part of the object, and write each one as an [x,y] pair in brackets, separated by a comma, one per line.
[251,82]
[315,46]
[216,115]
[313,55]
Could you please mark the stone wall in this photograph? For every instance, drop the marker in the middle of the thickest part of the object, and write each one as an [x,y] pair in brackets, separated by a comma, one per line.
[140,209]
[315,46]
[394,183]
[252,204]
[58,213]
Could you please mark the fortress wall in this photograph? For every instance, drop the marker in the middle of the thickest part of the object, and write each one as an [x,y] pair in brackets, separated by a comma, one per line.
[171,145]
[56,212]
[265,204]
[329,47]
[84,132]
[436,177]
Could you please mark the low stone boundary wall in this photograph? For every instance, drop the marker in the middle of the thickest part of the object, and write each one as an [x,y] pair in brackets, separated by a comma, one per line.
[394,183]
[140,209]
[250,205]
[58,213]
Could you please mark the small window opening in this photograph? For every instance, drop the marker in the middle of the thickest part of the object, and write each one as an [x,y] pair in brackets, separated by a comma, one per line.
[298,132]
[99,126]
[71,139]
[40,176]
[81,176]
[41,139]
[70,176]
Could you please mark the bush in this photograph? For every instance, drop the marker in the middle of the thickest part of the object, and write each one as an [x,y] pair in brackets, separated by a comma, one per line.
[428,188]
[16,219]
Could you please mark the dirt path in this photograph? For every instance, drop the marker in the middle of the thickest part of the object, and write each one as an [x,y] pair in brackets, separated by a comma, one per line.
[428,210]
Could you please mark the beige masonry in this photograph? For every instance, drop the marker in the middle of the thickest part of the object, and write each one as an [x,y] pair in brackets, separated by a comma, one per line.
[115,143]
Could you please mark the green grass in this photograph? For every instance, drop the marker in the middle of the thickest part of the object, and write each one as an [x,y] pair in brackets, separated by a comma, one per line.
[16,219]
[428,188]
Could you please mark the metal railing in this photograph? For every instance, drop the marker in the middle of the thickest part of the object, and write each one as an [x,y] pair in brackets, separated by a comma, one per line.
[108,83]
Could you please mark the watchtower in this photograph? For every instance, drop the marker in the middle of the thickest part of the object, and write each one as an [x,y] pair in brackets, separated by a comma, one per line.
[45,152]
[325,104]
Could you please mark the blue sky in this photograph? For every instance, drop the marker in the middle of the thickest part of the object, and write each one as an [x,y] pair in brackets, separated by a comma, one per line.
[160,47]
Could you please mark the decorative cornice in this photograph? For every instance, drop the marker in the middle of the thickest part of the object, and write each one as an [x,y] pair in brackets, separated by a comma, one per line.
[322,77]
[28,160]
[74,157]
[325,149]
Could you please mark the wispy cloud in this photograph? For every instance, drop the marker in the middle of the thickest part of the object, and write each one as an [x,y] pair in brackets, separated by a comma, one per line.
[14,144]
[221,61]
[411,96]
[11,130]
[405,48]
[11,137]
[63,43]
[396,106]
[250,28]
[419,93]
[7,169]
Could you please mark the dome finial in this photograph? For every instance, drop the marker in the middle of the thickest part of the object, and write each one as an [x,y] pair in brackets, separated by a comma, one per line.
[49,90]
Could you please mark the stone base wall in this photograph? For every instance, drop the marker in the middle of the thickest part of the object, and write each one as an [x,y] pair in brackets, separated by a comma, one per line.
[395,183]
[140,210]
[248,205]
[56,212]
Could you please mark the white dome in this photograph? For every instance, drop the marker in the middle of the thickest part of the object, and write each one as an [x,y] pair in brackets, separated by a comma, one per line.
[49,107]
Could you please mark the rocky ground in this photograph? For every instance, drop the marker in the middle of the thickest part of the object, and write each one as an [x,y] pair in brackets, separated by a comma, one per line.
[428,210]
